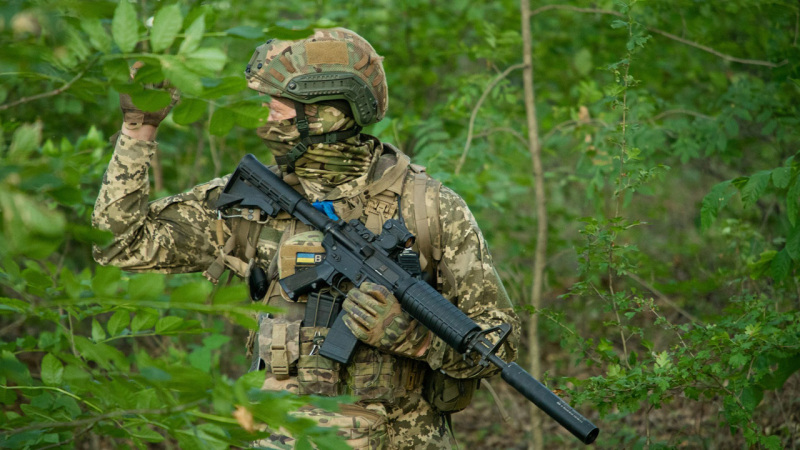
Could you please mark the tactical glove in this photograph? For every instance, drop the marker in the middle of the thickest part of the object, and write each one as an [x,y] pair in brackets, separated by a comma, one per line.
[374,316]
[133,117]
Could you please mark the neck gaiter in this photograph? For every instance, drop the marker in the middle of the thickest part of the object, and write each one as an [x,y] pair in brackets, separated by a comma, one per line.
[324,165]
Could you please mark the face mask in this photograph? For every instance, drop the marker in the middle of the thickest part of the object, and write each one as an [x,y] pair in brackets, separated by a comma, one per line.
[327,164]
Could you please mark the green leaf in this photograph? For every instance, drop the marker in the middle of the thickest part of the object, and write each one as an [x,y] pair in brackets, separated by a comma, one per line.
[195,292]
[26,140]
[751,397]
[781,177]
[146,434]
[619,24]
[104,355]
[151,100]
[106,281]
[180,75]
[146,286]
[118,322]
[52,370]
[215,341]
[244,32]
[194,35]
[150,73]
[248,114]
[781,265]
[144,319]
[98,334]
[12,369]
[792,196]
[755,187]
[206,60]
[604,345]
[221,122]
[663,359]
[738,360]
[125,26]
[582,60]
[98,36]
[166,25]
[231,294]
[216,88]
[200,358]
[168,323]
[189,110]
[713,203]
[793,244]
[786,368]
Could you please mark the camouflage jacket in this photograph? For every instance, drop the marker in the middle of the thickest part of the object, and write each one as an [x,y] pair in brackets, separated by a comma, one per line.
[176,234]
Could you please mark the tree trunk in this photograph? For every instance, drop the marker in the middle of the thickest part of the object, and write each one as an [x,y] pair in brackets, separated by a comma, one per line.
[534,146]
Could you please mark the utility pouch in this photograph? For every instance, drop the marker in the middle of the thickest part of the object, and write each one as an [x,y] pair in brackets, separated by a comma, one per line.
[370,377]
[448,394]
[316,374]
[278,345]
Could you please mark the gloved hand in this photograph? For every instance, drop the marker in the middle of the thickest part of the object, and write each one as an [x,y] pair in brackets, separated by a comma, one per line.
[133,117]
[374,316]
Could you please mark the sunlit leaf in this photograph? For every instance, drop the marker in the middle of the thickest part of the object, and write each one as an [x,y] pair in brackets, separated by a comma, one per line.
[151,99]
[118,322]
[166,25]
[245,32]
[221,122]
[52,370]
[125,26]
[194,34]
[98,36]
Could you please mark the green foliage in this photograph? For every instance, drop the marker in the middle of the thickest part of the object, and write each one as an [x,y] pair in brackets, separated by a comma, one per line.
[673,240]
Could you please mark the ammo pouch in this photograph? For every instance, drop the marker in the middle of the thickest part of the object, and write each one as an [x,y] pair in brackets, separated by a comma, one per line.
[316,374]
[278,345]
[448,394]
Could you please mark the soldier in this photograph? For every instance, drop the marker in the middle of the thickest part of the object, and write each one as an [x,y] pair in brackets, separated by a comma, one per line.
[406,380]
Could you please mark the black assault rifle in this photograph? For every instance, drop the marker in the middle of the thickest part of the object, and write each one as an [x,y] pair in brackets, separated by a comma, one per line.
[354,253]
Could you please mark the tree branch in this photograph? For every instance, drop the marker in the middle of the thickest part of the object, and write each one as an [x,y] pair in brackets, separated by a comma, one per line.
[540,252]
[474,114]
[567,123]
[726,57]
[75,436]
[671,112]
[99,417]
[514,132]
[664,298]
[52,93]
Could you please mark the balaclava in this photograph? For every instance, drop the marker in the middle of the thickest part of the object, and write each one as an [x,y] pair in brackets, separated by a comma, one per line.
[324,165]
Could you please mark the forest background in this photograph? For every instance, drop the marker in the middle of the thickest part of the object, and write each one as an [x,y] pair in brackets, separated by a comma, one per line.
[631,163]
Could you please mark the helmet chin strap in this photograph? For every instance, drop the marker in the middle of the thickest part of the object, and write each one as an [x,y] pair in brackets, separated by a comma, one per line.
[307,141]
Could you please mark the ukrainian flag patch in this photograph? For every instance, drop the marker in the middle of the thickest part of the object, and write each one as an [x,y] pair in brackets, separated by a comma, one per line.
[303,259]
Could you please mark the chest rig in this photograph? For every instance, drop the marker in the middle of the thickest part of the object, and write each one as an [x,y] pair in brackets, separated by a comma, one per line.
[286,345]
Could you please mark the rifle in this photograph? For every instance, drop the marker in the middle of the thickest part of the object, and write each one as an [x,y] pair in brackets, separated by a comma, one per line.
[354,253]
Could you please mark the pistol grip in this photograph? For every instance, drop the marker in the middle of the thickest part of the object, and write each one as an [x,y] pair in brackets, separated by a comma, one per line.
[340,343]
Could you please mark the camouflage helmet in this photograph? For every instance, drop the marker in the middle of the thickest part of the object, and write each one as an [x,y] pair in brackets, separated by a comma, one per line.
[331,64]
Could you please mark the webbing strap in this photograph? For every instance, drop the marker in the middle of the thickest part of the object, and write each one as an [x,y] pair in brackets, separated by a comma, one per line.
[307,141]
[421,220]
[245,236]
[279,355]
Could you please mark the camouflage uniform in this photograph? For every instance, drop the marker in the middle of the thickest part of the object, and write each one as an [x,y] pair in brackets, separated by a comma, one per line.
[177,234]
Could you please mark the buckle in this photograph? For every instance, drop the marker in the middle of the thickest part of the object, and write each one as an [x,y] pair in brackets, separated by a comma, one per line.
[302,125]
[330,138]
[297,151]
[280,360]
